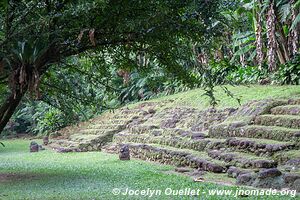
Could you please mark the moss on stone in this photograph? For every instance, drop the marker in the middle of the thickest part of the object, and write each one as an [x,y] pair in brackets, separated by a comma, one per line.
[288,121]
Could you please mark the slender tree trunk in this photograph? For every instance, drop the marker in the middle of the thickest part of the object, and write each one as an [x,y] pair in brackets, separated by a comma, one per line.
[9,106]
[293,38]
[280,55]
[283,42]
[259,39]
[271,34]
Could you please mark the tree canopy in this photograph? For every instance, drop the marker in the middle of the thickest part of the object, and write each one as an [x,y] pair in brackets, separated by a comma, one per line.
[36,35]
[79,58]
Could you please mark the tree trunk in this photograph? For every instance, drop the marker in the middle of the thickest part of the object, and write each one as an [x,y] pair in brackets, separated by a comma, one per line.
[280,55]
[9,106]
[271,36]
[283,42]
[293,38]
[259,39]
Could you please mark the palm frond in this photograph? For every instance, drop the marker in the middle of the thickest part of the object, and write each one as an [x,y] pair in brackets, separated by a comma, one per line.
[285,12]
[295,22]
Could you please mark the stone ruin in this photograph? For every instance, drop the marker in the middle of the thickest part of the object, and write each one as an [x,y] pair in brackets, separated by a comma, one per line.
[256,144]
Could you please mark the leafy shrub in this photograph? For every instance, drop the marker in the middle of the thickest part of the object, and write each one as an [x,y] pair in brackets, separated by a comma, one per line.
[147,85]
[39,118]
[49,121]
[289,73]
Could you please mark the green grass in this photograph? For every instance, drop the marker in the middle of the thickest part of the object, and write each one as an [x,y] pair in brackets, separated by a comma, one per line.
[90,175]
[195,98]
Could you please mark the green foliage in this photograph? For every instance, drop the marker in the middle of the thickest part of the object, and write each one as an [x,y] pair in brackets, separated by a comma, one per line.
[149,84]
[289,73]
[73,51]
[47,119]
[38,40]
[246,75]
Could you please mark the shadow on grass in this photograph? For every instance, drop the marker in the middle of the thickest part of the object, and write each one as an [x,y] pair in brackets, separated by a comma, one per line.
[21,177]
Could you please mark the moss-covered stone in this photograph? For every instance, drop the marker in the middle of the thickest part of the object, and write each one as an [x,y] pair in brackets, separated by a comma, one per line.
[283,157]
[242,160]
[177,142]
[173,156]
[288,121]
[286,110]
[255,131]
[259,147]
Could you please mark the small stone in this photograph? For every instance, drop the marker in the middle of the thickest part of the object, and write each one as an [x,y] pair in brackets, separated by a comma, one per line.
[293,162]
[265,173]
[269,147]
[290,178]
[156,133]
[197,173]
[214,168]
[296,185]
[41,148]
[64,150]
[260,146]
[245,179]
[198,136]
[234,142]
[264,164]
[124,152]
[182,169]
[233,172]
[151,111]
[46,140]
[34,147]
[297,134]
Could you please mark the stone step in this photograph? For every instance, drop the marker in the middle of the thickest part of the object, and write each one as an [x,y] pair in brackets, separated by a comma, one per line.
[286,156]
[133,112]
[82,138]
[288,121]
[105,126]
[265,132]
[178,157]
[95,131]
[242,160]
[172,141]
[64,146]
[260,147]
[294,101]
[141,129]
[91,142]
[124,117]
[286,110]
[63,143]
[110,122]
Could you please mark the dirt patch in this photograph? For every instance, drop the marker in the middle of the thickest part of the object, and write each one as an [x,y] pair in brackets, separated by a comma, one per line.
[11,177]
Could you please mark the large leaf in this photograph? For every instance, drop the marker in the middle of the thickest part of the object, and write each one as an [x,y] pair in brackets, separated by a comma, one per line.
[244,50]
[284,11]
[295,22]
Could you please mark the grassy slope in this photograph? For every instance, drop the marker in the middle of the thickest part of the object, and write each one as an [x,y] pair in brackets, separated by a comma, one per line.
[195,98]
[91,175]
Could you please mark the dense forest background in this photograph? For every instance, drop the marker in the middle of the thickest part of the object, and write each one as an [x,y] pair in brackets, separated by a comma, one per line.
[71,60]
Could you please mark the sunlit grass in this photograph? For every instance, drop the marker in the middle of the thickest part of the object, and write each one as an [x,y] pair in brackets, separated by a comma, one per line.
[195,98]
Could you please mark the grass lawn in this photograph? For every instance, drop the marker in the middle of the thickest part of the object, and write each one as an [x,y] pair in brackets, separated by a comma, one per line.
[91,175]
[195,98]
